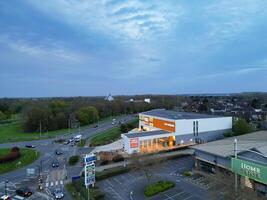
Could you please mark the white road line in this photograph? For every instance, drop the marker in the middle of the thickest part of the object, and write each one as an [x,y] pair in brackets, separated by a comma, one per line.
[188,197]
[108,181]
[46,184]
[61,182]
[56,183]
[117,194]
[51,184]
[115,179]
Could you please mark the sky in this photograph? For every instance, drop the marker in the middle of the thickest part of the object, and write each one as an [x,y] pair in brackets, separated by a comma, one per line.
[99,47]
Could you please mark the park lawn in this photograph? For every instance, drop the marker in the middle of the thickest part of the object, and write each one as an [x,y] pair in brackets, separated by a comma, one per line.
[106,137]
[14,132]
[27,157]
[158,187]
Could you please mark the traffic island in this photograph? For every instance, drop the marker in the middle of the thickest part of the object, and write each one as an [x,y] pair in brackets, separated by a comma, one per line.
[9,162]
[158,187]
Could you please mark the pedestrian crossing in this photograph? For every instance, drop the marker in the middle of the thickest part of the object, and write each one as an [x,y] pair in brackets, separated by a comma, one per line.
[55,178]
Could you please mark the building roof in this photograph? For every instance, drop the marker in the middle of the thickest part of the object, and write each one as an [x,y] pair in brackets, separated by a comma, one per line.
[146,133]
[225,147]
[174,115]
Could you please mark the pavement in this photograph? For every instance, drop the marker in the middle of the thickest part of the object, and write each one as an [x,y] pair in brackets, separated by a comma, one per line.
[117,145]
[54,177]
[131,185]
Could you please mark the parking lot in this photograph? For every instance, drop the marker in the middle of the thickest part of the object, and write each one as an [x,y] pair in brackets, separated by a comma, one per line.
[131,185]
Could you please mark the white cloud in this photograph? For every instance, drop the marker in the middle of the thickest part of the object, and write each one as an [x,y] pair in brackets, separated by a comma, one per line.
[131,19]
[42,48]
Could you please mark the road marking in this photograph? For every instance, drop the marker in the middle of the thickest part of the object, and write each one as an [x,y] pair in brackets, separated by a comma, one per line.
[117,194]
[61,182]
[51,184]
[46,184]
[56,183]
[109,182]
[188,197]
[115,179]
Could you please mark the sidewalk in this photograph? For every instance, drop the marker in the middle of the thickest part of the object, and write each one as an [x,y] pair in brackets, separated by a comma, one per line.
[160,155]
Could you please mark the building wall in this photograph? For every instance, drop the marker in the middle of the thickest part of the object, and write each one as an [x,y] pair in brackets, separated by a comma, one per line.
[185,126]
[126,144]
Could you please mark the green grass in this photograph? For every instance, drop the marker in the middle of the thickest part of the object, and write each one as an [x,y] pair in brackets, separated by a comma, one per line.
[27,157]
[73,160]
[158,187]
[82,143]
[106,137]
[13,132]
[78,191]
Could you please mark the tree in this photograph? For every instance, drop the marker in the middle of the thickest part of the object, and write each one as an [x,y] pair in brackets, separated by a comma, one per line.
[203,108]
[256,103]
[58,106]
[241,127]
[148,164]
[87,115]
[2,116]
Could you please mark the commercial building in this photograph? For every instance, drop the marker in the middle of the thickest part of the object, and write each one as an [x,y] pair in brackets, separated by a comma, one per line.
[249,162]
[161,129]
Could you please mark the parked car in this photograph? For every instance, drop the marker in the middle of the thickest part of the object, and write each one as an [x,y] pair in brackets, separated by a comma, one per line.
[58,152]
[55,163]
[5,197]
[24,192]
[77,138]
[58,193]
[29,146]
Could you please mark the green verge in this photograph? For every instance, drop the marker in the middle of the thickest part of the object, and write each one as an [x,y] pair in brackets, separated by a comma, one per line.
[110,135]
[78,191]
[158,187]
[111,172]
[28,156]
[13,132]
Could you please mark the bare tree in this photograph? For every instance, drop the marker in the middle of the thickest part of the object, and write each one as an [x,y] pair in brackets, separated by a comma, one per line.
[224,188]
[148,164]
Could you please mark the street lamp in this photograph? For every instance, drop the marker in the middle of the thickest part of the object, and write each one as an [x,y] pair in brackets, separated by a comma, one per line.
[6,187]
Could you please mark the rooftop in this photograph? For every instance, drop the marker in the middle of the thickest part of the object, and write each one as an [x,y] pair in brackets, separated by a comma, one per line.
[225,147]
[174,115]
[146,133]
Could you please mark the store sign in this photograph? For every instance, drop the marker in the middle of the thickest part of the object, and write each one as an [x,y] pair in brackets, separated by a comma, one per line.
[164,125]
[134,143]
[248,169]
[89,170]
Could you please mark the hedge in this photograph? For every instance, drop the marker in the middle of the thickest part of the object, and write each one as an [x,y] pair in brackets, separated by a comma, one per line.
[111,172]
[158,187]
[14,154]
[74,159]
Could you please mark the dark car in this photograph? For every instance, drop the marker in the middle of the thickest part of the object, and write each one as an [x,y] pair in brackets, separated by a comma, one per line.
[55,163]
[95,126]
[24,192]
[58,152]
[29,146]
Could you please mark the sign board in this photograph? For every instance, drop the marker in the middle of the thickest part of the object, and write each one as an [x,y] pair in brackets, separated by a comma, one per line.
[89,159]
[89,174]
[164,125]
[75,178]
[89,169]
[134,143]
[30,171]
[249,169]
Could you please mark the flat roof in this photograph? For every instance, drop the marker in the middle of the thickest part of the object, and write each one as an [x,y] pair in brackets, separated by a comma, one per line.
[174,115]
[146,133]
[225,147]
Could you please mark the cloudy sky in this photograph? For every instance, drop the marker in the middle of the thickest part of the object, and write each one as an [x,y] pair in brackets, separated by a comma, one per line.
[97,47]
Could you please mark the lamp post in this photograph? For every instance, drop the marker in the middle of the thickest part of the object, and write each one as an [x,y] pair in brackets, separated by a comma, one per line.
[235,153]
[6,187]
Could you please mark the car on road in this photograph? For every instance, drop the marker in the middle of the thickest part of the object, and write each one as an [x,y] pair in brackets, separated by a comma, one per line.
[66,142]
[5,197]
[29,146]
[24,192]
[55,163]
[58,152]
[96,126]
[58,193]
[77,138]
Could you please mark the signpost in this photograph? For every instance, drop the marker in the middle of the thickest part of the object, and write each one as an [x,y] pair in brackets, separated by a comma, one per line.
[89,171]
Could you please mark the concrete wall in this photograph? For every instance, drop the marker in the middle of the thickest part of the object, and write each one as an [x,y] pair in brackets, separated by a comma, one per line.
[185,126]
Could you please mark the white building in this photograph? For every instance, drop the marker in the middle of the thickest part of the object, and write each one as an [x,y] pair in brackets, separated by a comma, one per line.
[109,98]
[161,129]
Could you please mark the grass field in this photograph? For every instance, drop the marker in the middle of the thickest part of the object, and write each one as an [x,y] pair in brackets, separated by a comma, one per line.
[27,157]
[13,132]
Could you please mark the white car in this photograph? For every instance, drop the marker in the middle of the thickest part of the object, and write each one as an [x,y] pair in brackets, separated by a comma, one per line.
[5,197]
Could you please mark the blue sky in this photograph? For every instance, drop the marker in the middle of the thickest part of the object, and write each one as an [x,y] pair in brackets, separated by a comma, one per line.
[97,47]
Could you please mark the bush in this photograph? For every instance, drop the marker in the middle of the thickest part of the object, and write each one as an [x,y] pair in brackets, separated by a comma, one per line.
[241,127]
[74,159]
[111,172]
[118,158]
[14,154]
[187,173]
[158,187]
[104,162]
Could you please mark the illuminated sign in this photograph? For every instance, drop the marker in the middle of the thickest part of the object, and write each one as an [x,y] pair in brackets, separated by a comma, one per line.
[164,125]
[248,169]
[134,143]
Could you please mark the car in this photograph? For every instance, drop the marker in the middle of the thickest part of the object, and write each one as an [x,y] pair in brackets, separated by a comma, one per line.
[71,140]
[5,197]
[55,163]
[66,142]
[58,152]
[58,193]
[96,126]
[29,146]
[24,192]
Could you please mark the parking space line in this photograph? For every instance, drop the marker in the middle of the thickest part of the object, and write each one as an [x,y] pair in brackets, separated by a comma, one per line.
[109,182]
[116,193]
[188,197]
[115,179]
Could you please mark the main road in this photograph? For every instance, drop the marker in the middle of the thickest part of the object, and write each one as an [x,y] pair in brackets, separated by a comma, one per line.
[47,149]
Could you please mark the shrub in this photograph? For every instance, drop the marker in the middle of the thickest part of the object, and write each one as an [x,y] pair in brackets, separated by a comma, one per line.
[14,154]
[158,187]
[118,158]
[111,172]
[74,159]
[187,173]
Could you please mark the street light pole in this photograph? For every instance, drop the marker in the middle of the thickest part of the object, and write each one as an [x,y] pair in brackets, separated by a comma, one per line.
[40,128]
[235,153]
[6,187]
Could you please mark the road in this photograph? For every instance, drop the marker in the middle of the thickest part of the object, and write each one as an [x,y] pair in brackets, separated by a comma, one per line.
[54,177]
